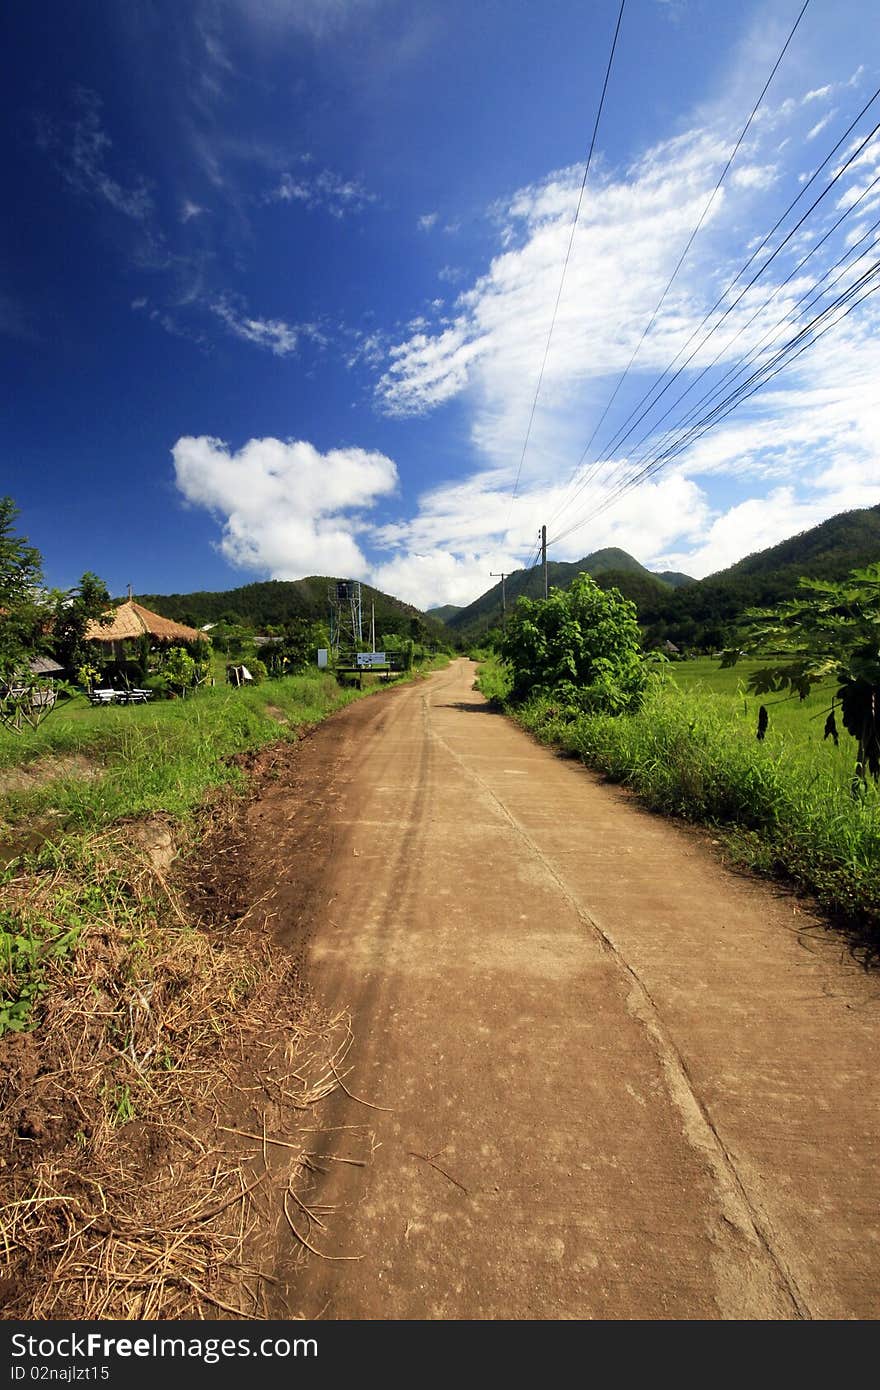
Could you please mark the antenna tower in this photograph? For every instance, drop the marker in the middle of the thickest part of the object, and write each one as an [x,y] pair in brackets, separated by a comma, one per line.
[346,620]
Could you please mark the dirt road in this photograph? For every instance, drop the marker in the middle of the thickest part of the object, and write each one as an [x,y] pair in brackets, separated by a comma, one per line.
[620,1081]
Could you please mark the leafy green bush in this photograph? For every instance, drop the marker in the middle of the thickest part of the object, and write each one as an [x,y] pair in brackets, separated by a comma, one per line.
[583,644]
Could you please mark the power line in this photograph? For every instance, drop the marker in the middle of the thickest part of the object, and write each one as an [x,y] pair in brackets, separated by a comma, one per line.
[680,430]
[738,366]
[567,257]
[867,284]
[791,350]
[626,428]
[690,241]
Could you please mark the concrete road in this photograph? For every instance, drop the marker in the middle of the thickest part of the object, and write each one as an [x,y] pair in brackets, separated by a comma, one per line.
[620,1081]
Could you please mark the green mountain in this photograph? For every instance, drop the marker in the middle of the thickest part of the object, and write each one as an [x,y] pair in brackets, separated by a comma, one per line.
[706,614]
[691,613]
[444,612]
[610,568]
[276,601]
[674,579]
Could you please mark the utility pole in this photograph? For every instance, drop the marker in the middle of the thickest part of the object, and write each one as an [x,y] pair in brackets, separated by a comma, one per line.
[372,627]
[544,557]
[503,578]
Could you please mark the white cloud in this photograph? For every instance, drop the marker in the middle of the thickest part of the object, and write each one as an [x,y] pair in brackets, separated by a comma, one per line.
[754,176]
[190,210]
[464,530]
[631,230]
[279,337]
[286,509]
[326,191]
[820,125]
[427,221]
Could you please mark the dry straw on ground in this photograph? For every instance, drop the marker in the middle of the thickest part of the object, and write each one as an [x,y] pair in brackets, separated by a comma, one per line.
[138,1177]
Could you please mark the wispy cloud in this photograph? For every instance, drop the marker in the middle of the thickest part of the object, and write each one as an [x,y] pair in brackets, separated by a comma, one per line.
[427,221]
[820,125]
[325,191]
[278,337]
[81,150]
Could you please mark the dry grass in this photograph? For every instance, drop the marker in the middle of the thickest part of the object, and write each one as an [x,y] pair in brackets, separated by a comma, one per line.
[127,1191]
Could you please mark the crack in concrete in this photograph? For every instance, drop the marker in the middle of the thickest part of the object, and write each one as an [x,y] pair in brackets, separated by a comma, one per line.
[736,1206]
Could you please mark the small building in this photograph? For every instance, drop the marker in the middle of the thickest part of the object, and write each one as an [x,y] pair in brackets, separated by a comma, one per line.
[131,622]
[45,667]
[670,648]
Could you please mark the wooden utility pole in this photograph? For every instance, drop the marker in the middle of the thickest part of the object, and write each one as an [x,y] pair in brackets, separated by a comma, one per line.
[544,557]
[503,578]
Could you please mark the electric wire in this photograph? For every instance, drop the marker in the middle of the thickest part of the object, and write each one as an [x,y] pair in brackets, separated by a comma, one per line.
[620,435]
[567,258]
[802,306]
[746,389]
[627,428]
[867,284]
[689,243]
[786,316]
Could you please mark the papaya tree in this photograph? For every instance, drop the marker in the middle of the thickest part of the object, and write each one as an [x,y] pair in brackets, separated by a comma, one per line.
[828,631]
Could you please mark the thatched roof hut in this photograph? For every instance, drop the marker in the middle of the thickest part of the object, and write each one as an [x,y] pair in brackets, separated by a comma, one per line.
[131,621]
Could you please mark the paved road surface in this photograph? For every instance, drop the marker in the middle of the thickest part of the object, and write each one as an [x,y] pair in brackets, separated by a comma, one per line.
[622,1081]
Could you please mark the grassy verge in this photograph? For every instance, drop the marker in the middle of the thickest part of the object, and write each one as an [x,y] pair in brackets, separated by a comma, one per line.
[131,761]
[786,803]
[133,1006]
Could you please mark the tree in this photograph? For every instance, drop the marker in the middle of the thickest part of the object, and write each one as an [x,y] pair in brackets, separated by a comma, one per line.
[23,607]
[179,669]
[297,645]
[75,609]
[831,630]
[583,643]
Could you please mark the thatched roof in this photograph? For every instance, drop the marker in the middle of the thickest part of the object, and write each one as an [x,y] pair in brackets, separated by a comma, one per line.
[132,620]
[45,666]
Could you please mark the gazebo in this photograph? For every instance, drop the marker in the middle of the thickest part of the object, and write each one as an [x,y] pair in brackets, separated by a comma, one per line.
[132,622]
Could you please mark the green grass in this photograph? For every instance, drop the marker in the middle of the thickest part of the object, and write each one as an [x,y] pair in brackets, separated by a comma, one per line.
[691,751]
[171,756]
[166,756]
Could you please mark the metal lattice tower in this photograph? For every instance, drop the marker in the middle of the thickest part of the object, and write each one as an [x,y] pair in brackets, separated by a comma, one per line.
[346,619]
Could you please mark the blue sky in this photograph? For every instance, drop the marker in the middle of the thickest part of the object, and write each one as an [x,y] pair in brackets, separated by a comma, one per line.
[277,278]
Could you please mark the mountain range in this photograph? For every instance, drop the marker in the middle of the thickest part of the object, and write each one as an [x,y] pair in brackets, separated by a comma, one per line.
[273,602]
[671,606]
[694,613]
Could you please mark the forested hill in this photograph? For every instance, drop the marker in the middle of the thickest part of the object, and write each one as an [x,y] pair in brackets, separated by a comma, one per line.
[828,551]
[705,614]
[700,614]
[609,567]
[272,602]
